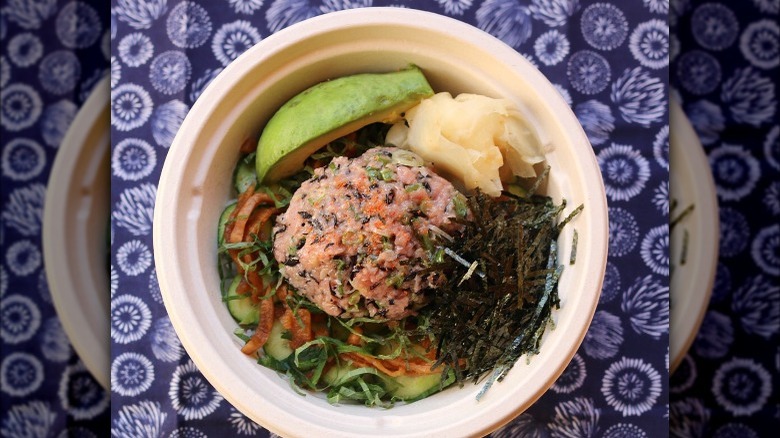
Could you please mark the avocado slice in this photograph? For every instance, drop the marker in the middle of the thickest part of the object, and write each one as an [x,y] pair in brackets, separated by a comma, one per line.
[330,110]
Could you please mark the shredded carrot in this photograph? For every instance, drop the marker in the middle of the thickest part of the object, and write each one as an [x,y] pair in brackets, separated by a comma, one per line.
[260,336]
[354,338]
[282,293]
[320,329]
[248,146]
[392,367]
[256,281]
[243,287]
[301,330]
[243,213]
[231,223]
[279,310]
[244,221]
[319,325]
[253,225]
[430,353]
[302,333]
[257,220]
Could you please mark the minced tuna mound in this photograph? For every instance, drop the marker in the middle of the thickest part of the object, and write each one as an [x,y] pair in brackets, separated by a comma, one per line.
[353,239]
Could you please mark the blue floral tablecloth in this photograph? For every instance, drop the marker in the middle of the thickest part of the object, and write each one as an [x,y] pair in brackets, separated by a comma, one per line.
[610,62]
[52,53]
[725,58]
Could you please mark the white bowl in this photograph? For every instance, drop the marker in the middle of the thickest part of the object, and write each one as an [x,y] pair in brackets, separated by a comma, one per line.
[195,185]
[75,238]
[690,182]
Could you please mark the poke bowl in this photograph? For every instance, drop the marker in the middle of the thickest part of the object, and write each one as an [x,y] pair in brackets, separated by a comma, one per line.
[196,186]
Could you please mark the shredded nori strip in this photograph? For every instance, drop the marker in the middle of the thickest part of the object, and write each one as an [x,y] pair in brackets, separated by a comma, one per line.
[485,322]
[688,210]
[674,222]
[574,241]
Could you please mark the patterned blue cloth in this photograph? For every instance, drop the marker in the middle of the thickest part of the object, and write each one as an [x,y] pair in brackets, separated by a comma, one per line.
[53,53]
[725,61]
[608,59]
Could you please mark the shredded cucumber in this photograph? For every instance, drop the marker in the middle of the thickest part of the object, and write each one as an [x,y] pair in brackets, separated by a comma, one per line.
[245,176]
[412,388]
[336,373]
[241,307]
[223,219]
[404,388]
[277,346]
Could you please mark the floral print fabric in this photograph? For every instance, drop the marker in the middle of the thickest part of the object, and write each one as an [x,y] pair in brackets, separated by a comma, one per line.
[724,71]
[608,59]
[53,53]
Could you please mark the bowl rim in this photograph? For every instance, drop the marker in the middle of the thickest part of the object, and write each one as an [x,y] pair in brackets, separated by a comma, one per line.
[170,277]
[75,284]
[692,293]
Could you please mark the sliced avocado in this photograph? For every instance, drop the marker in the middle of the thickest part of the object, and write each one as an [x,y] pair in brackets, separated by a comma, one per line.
[330,110]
